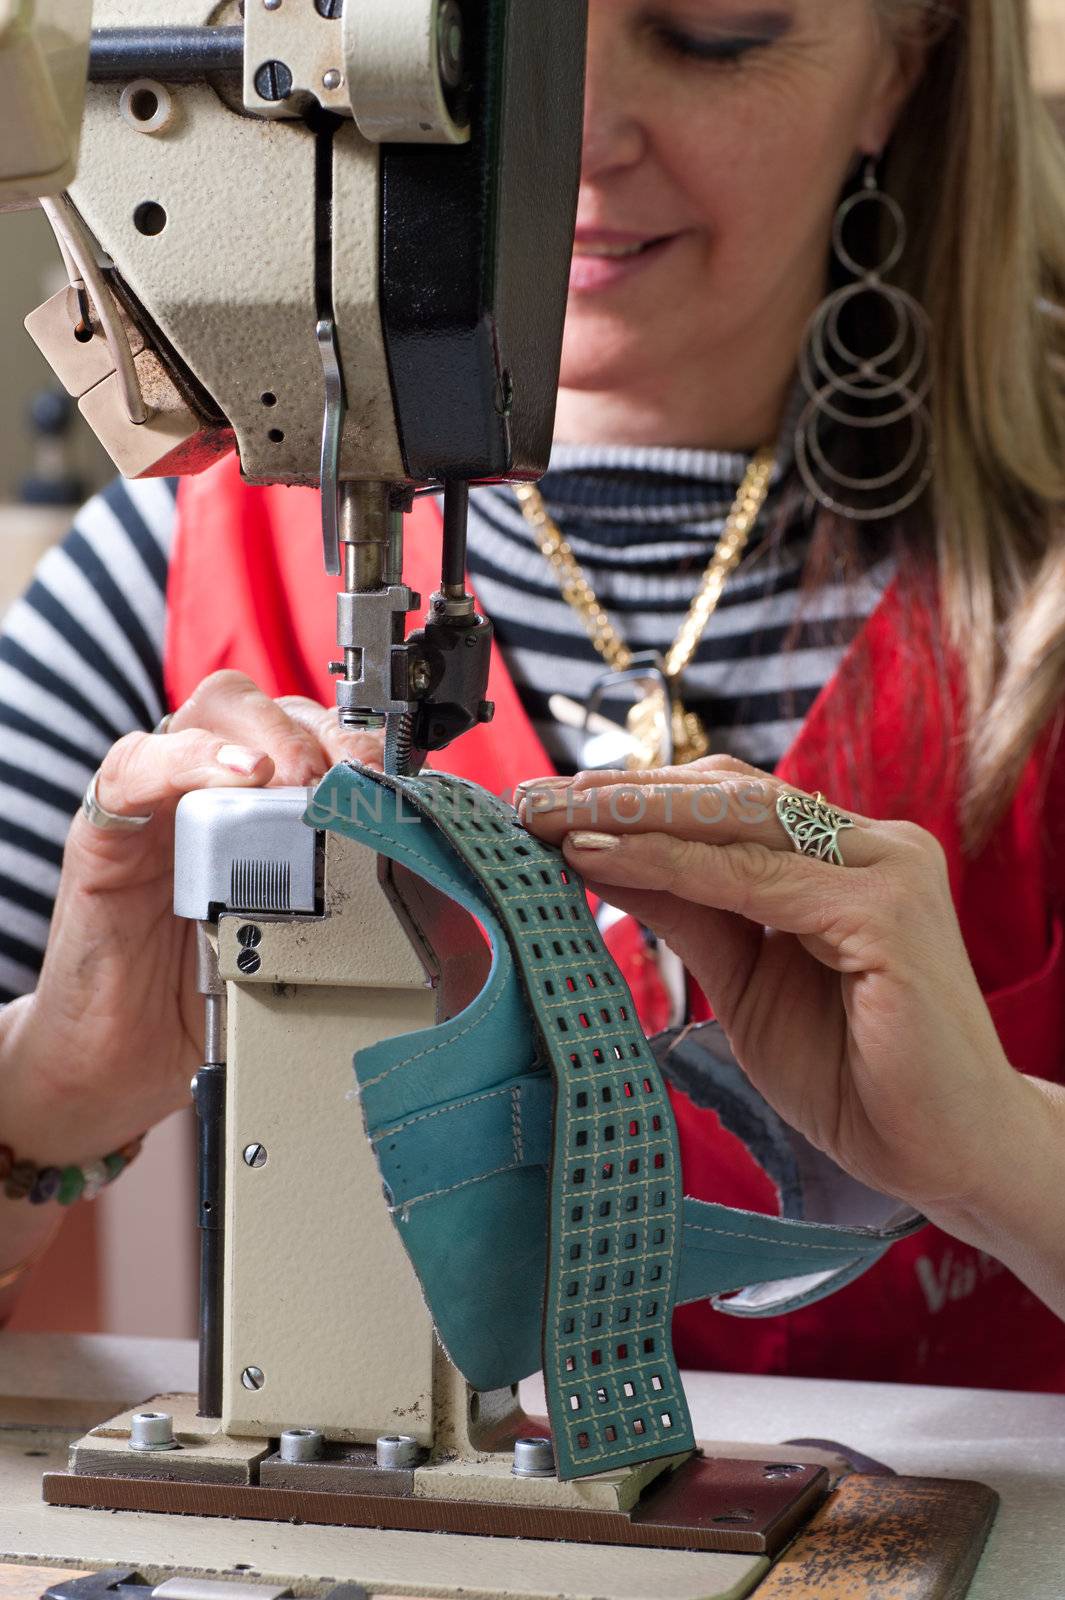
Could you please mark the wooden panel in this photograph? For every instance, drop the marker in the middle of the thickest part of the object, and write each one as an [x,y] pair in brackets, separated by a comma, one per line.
[887,1539]
[29,1583]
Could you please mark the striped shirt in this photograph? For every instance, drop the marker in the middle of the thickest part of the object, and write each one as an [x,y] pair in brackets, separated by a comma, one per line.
[81,654]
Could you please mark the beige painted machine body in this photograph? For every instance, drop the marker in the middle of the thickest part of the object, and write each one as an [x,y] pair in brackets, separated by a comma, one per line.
[320,1296]
[226,279]
[44,47]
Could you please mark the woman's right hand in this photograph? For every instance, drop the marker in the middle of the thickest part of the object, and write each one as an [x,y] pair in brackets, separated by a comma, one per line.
[107,1044]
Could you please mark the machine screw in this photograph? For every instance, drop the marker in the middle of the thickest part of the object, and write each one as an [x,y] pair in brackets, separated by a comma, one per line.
[397,1450]
[533,1458]
[332,79]
[330,9]
[781,1469]
[249,961]
[302,1444]
[255,1155]
[249,937]
[449,43]
[253,1377]
[152,1430]
[273,81]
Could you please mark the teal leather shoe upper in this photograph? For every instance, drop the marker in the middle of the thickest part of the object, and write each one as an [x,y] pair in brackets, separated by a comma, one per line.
[528,1148]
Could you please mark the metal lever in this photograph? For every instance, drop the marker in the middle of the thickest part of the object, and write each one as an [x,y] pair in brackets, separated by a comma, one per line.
[332,427]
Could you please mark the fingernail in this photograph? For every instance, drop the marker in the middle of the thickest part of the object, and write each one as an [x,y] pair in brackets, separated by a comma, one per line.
[539,801]
[593,841]
[238,759]
[521,790]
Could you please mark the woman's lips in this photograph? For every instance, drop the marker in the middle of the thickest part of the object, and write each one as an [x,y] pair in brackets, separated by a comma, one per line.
[602,260]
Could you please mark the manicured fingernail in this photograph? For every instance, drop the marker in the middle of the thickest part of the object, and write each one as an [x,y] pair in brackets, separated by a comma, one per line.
[539,801]
[521,790]
[238,759]
[593,841]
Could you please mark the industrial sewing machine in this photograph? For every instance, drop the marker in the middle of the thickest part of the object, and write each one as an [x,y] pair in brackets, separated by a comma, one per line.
[372,302]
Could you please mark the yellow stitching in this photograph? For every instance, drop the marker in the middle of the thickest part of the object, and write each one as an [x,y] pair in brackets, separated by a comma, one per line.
[441,1111]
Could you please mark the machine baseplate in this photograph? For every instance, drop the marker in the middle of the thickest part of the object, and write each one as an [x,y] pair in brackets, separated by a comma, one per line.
[708,1504]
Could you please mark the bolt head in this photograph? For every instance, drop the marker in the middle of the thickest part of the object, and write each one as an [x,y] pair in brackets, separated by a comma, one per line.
[302,1444]
[533,1458]
[152,1430]
[398,1450]
[253,1377]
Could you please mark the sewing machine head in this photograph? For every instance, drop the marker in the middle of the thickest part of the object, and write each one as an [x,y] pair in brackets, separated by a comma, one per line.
[371,299]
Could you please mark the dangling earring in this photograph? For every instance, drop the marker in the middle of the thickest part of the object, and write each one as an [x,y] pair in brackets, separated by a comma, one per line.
[881,390]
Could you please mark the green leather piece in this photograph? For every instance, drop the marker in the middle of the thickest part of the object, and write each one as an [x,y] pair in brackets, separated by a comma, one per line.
[461,1120]
[614,1393]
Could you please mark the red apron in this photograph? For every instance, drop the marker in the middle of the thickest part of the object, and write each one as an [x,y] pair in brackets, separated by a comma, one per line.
[247,592]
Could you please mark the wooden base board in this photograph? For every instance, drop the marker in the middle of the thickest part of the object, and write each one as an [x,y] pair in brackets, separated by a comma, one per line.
[743,1507]
[887,1538]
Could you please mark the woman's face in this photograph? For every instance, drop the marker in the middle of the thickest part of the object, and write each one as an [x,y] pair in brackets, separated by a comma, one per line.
[718,135]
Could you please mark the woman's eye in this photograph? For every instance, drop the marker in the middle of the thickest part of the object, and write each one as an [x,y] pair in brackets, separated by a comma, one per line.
[727,48]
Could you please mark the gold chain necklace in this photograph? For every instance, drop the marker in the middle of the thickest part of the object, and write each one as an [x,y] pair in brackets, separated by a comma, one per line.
[646,722]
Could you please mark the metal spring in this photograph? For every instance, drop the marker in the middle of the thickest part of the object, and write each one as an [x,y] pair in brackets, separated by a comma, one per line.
[399,745]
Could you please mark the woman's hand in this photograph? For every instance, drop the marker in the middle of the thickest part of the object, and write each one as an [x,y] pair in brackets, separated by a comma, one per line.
[846,992]
[109,1041]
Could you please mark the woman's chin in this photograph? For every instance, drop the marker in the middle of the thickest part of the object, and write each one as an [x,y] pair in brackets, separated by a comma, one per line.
[607,355]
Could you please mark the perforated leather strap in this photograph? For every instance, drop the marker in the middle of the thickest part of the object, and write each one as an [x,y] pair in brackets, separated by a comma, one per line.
[613,1389]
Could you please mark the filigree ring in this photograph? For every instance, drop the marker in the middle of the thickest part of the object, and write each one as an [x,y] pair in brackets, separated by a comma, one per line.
[813,826]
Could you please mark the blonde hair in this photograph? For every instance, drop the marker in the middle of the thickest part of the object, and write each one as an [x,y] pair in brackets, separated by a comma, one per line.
[979,168]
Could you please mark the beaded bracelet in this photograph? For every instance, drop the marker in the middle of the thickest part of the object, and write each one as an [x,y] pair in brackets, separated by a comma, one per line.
[25,1180]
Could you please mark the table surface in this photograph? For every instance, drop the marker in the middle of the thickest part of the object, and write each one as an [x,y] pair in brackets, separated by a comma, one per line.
[1013,1442]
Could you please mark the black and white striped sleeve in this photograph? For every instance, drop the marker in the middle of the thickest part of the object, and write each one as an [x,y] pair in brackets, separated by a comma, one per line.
[81,664]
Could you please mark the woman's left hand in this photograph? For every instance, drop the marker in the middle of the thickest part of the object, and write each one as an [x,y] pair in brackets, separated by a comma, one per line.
[846,992]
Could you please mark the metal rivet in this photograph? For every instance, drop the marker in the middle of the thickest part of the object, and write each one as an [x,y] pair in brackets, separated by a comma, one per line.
[253,1377]
[781,1469]
[152,1430]
[398,1450]
[272,5]
[273,81]
[255,1155]
[332,79]
[302,1444]
[533,1458]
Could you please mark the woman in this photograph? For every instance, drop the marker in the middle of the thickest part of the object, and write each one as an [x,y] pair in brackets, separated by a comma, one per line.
[726,144]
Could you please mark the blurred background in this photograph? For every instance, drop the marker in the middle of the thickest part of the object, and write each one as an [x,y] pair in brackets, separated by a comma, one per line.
[127,1262]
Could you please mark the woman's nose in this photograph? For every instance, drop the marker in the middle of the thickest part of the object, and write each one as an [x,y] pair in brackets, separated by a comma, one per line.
[614,136]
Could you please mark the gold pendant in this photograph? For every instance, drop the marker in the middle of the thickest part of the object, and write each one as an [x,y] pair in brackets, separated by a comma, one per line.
[646,724]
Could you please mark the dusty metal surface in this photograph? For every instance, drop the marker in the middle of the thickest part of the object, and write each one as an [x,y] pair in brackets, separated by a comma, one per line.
[742,1507]
[881,1538]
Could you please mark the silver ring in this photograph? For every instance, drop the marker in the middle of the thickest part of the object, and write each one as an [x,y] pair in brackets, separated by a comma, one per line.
[101,818]
[813,826]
